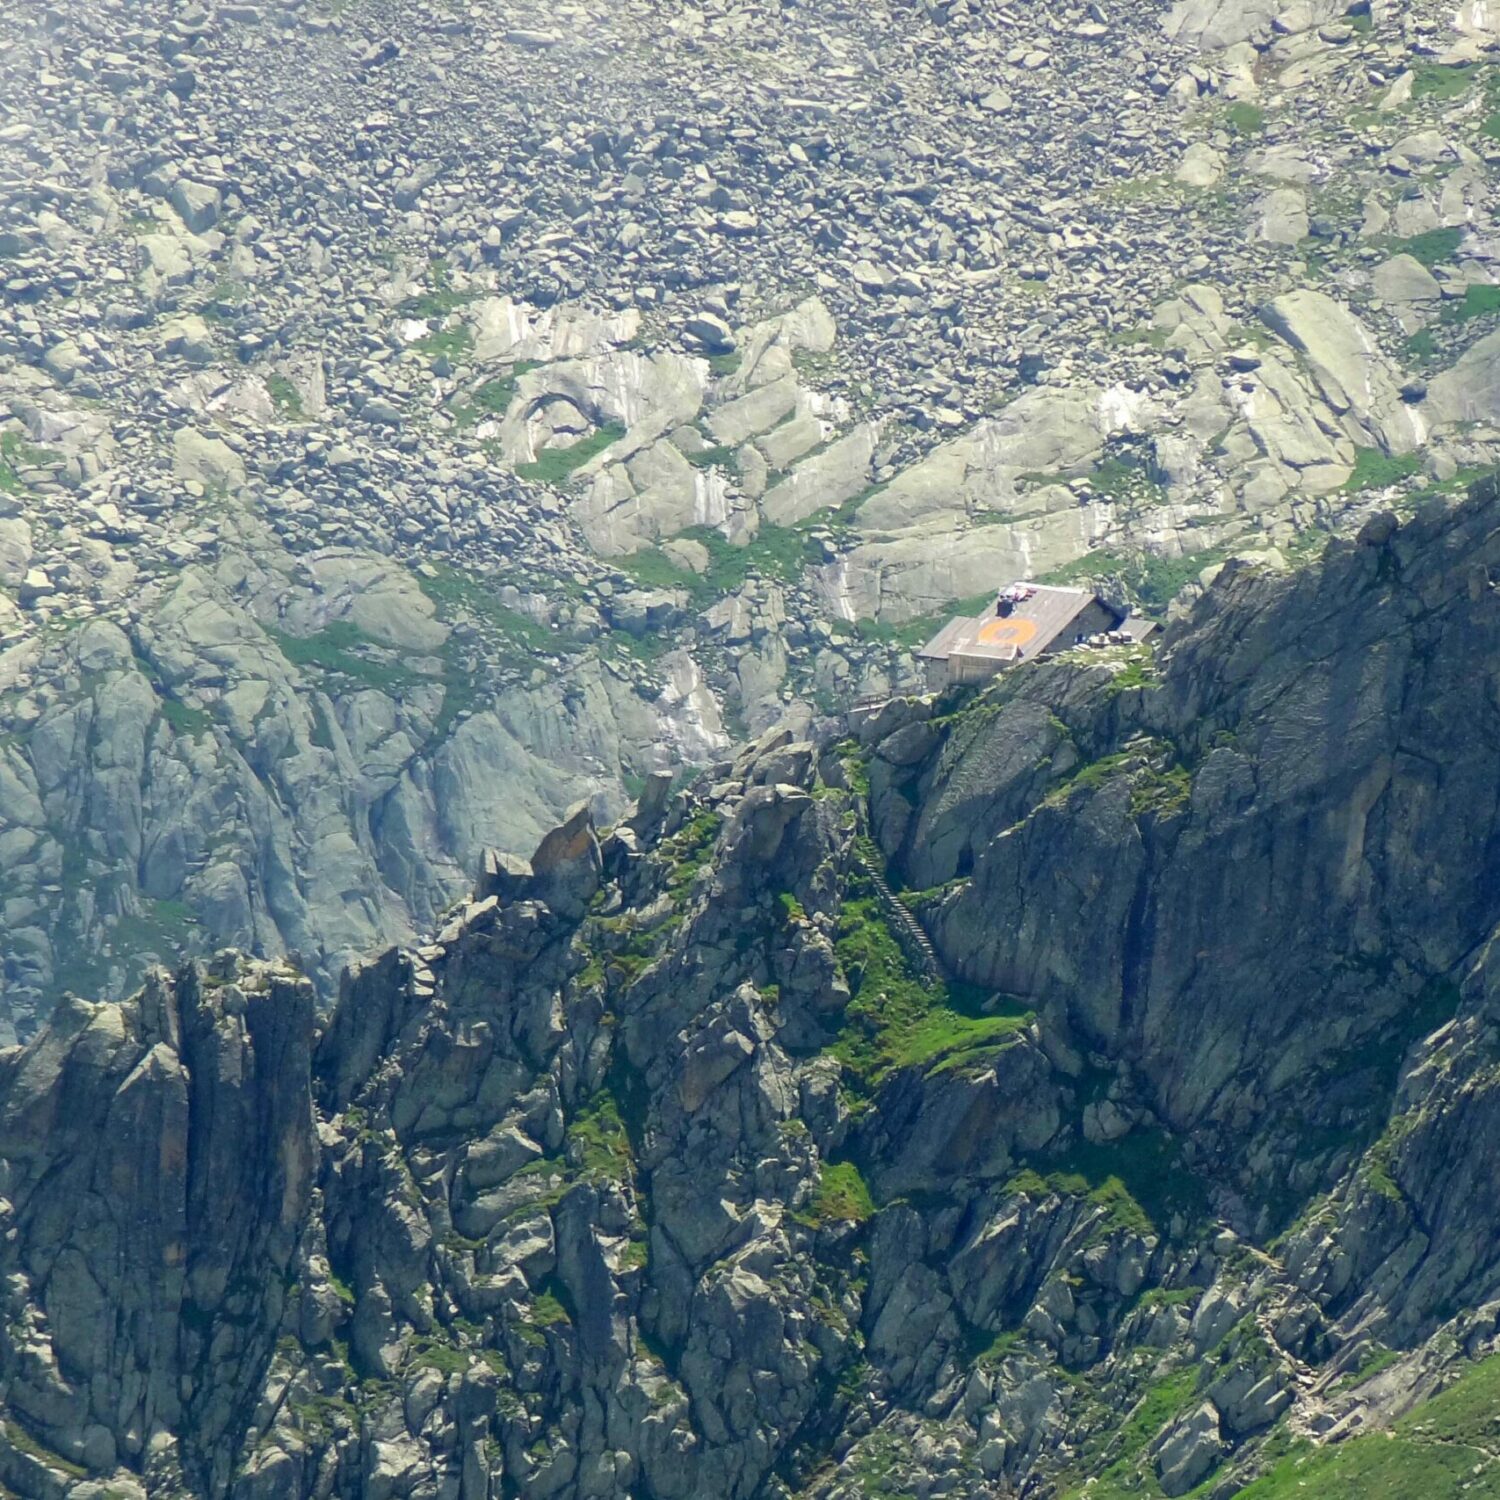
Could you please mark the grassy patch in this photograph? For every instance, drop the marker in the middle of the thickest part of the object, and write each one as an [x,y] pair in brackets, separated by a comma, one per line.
[1122,1210]
[893,1019]
[841,517]
[630,950]
[446,343]
[1177,1297]
[163,930]
[776,552]
[446,1359]
[547,1310]
[688,851]
[1481,301]
[492,398]
[1463,481]
[17,454]
[1124,480]
[342,647]
[1157,580]
[817,366]
[555,465]
[1440,81]
[457,593]
[792,909]
[1162,792]
[1139,1180]
[1130,338]
[1139,670]
[186,720]
[1422,347]
[1128,1471]
[1089,777]
[226,295]
[719,457]
[1378,1358]
[1375,1171]
[285,396]
[321,1415]
[23,1442]
[1443,1449]
[1245,119]
[651,568]
[646,649]
[1374,470]
[597,1142]
[842,1196]
[998,1348]
[440,299]
[321,734]
[725,364]
[1431,249]
[1140,187]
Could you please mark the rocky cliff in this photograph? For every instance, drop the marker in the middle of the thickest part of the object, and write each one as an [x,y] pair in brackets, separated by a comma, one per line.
[677,1165]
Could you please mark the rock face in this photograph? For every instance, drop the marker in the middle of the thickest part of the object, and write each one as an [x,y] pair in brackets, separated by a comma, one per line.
[282,755]
[160,1163]
[1216,24]
[661,1169]
[1223,759]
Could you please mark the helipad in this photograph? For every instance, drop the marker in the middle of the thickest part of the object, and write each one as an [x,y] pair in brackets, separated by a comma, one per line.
[1026,620]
